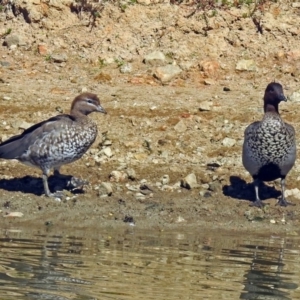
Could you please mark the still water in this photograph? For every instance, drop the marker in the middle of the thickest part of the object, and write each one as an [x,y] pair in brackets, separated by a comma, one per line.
[133,264]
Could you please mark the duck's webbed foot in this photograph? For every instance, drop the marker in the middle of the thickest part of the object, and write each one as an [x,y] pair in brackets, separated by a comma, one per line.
[283,201]
[58,194]
[257,202]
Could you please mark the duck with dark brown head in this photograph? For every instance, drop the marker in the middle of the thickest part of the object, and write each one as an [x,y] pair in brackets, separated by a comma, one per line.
[269,150]
[57,141]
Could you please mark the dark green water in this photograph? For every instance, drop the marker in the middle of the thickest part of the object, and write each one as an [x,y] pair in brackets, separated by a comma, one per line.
[133,264]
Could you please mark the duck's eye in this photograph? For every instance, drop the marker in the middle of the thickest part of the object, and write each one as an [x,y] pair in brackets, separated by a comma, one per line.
[89,101]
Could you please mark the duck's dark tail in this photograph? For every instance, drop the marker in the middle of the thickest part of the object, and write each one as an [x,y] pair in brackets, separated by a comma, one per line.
[12,148]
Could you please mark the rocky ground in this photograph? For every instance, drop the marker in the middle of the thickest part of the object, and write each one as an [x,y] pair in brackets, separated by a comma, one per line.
[179,90]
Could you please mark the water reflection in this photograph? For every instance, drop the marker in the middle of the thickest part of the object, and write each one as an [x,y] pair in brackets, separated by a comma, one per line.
[266,278]
[38,265]
[132,264]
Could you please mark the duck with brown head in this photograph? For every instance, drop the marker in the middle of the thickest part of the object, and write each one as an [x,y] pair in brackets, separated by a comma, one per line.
[269,150]
[57,141]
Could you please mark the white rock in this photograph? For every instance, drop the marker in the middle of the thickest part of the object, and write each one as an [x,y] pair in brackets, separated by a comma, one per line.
[180,219]
[295,97]
[177,185]
[209,81]
[180,126]
[14,214]
[140,196]
[24,125]
[246,65]
[107,151]
[131,174]
[155,58]
[106,188]
[107,143]
[205,106]
[167,188]
[288,193]
[166,73]
[117,176]
[13,47]
[165,179]
[133,188]
[126,68]
[296,193]
[4,137]
[202,193]
[190,182]
[228,142]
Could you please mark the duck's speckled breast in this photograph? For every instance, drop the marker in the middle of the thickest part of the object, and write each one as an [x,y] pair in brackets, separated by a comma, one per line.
[269,141]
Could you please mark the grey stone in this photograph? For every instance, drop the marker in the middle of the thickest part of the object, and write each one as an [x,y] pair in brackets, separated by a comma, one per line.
[59,58]
[11,40]
[214,186]
[4,63]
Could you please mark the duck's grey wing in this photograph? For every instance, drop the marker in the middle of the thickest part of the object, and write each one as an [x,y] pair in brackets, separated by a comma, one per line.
[290,129]
[15,146]
[250,130]
[249,148]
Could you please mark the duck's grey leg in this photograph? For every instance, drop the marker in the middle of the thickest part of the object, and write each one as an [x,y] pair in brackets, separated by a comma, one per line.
[282,201]
[257,201]
[46,188]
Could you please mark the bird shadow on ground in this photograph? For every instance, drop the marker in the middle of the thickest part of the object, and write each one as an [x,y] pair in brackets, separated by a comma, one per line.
[240,189]
[34,185]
